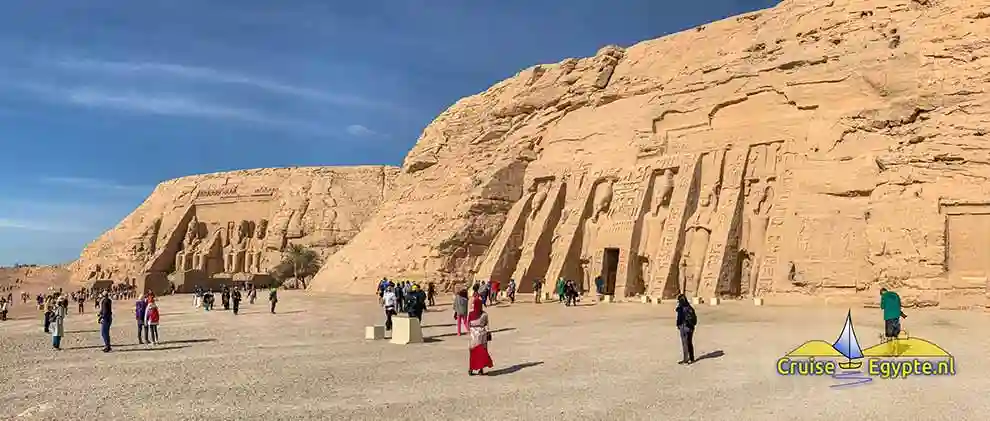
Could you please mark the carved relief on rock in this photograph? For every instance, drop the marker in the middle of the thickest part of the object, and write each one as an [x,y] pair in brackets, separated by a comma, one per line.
[146,243]
[602,200]
[698,231]
[659,209]
[295,229]
[256,248]
[184,259]
[756,218]
[236,251]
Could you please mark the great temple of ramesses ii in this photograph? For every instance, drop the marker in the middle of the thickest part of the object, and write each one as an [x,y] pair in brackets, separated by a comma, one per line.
[704,223]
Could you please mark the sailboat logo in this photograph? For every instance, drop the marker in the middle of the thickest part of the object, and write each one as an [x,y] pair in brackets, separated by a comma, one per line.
[842,360]
[848,346]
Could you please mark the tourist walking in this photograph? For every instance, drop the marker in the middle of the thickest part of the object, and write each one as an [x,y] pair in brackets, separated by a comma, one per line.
[495,290]
[687,320]
[890,303]
[151,319]
[485,291]
[431,294]
[4,306]
[599,286]
[106,319]
[461,311]
[139,309]
[252,295]
[225,298]
[510,291]
[537,290]
[273,298]
[388,304]
[570,293]
[48,304]
[235,299]
[59,312]
[478,357]
[416,303]
[81,302]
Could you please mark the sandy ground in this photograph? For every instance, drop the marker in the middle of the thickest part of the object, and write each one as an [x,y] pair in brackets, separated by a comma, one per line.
[594,362]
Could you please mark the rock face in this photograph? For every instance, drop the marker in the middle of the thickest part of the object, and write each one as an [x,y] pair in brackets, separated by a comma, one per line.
[217,228]
[817,149]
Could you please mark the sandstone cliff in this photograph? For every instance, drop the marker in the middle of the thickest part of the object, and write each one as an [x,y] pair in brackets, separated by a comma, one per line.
[818,148]
[234,225]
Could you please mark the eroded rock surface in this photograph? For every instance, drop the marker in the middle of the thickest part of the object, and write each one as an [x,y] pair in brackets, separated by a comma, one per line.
[233,226]
[820,148]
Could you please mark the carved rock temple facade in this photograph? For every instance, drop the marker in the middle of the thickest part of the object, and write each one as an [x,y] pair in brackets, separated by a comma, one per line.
[705,223]
[811,152]
[218,229]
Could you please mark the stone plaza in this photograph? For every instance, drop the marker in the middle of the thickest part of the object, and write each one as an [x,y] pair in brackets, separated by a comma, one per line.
[590,362]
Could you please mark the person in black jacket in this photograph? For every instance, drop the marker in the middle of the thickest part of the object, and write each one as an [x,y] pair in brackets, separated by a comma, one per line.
[686,322]
[106,319]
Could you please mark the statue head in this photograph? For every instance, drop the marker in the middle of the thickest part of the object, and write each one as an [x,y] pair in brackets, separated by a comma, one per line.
[706,198]
[243,230]
[260,229]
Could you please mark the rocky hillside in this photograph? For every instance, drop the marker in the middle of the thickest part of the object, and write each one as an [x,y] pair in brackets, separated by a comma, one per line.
[236,222]
[881,106]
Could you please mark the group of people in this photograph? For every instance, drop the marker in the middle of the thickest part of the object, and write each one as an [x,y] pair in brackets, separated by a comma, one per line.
[230,298]
[404,297]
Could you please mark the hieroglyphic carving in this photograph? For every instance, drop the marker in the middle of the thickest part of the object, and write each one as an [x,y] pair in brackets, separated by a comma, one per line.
[755,220]
[774,269]
[663,261]
[754,166]
[707,215]
[232,193]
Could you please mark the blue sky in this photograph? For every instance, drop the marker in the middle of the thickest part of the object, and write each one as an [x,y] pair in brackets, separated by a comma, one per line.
[100,99]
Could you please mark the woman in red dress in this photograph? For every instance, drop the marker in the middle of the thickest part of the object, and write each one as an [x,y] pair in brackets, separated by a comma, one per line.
[479,358]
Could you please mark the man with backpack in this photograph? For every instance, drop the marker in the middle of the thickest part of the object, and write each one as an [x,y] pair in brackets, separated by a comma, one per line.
[686,322]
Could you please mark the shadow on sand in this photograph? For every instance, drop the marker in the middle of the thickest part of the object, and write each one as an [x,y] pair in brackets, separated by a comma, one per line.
[711,355]
[514,368]
[83,331]
[160,348]
[504,329]
[189,341]
[444,325]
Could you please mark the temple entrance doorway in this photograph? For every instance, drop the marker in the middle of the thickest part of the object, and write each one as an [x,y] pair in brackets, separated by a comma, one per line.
[610,269]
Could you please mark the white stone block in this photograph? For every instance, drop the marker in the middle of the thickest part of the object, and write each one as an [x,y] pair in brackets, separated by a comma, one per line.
[645,299]
[758,301]
[609,298]
[406,330]
[714,301]
[696,300]
[374,332]
[657,300]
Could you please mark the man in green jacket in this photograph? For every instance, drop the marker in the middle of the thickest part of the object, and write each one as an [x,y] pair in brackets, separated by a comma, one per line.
[890,303]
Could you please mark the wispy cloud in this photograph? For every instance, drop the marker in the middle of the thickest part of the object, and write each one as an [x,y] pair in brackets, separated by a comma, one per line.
[94,184]
[176,105]
[29,225]
[207,74]
[358,130]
